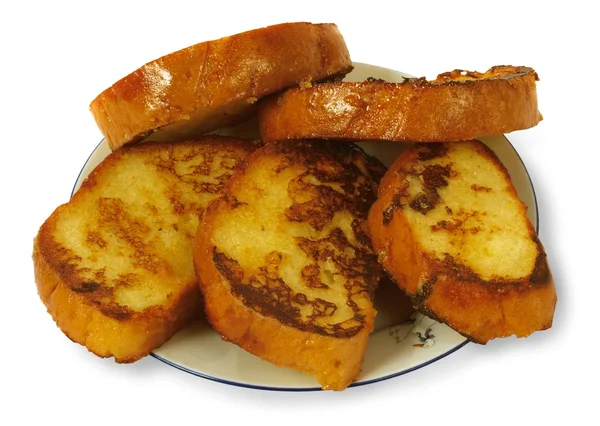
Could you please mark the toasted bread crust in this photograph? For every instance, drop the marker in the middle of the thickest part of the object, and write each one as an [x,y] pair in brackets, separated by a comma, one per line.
[127,340]
[216,83]
[266,319]
[445,287]
[458,105]
[100,265]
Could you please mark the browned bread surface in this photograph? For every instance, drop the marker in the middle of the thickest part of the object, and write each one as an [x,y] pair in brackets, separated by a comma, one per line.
[458,105]
[114,265]
[449,228]
[284,262]
[216,83]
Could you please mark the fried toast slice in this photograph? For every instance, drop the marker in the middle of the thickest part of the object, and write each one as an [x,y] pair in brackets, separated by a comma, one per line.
[284,262]
[449,228]
[113,266]
[457,105]
[216,83]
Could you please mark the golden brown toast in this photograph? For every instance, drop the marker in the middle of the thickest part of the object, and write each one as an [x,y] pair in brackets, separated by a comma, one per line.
[114,265]
[457,105]
[284,262]
[450,229]
[216,83]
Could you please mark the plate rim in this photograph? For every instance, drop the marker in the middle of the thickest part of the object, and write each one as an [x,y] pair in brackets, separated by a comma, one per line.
[359,383]
[305,389]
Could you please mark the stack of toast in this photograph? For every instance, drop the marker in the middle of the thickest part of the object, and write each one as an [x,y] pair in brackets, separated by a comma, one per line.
[282,241]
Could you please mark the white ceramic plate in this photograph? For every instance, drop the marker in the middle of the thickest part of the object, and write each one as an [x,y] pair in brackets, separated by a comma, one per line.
[397,346]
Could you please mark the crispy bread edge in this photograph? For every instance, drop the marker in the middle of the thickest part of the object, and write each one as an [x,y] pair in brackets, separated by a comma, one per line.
[501,100]
[126,340]
[480,310]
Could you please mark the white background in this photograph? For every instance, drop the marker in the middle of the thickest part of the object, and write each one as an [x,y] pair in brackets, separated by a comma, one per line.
[57,57]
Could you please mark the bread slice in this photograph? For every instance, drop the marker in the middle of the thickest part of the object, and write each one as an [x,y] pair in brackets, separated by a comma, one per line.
[450,229]
[457,105]
[283,259]
[114,265]
[216,83]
